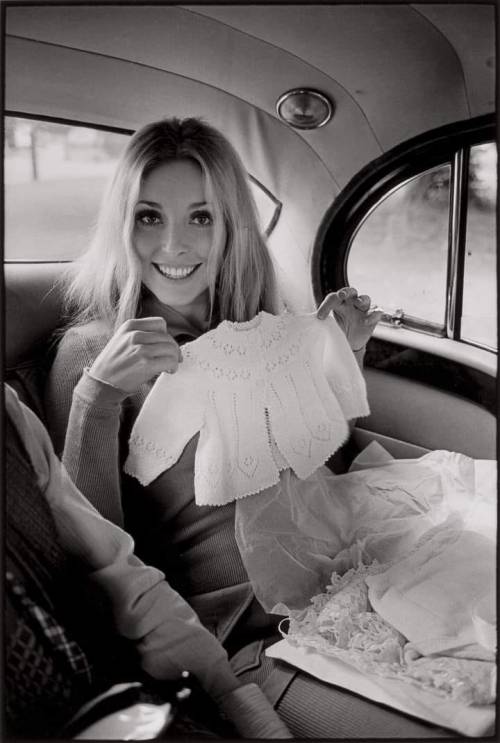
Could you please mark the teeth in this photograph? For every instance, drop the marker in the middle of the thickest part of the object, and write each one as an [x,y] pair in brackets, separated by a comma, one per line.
[175,272]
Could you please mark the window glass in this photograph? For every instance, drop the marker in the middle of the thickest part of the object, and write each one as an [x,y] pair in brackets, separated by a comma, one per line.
[54,178]
[399,253]
[479,310]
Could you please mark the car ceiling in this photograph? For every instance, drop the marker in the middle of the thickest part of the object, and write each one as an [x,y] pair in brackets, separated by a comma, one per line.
[393,71]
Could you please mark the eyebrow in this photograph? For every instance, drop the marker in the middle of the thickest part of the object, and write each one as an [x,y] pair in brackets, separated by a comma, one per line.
[149,203]
[194,205]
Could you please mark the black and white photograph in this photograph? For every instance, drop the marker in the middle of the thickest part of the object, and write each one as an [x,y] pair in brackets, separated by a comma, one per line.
[249,449]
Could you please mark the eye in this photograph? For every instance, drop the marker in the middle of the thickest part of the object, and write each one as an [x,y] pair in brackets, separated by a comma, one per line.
[148,218]
[202,218]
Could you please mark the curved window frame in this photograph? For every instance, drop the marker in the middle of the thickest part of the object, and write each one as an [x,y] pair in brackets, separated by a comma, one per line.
[449,144]
[276,203]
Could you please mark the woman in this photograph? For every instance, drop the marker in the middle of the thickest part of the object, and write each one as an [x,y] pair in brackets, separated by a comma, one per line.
[177,249]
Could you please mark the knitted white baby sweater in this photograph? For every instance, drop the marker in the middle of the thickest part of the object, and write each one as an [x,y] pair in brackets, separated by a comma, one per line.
[264,395]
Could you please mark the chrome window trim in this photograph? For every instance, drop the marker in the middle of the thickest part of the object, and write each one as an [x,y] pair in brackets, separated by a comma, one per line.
[456,242]
[400,319]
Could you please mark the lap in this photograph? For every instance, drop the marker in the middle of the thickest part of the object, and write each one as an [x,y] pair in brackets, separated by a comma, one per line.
[313,709]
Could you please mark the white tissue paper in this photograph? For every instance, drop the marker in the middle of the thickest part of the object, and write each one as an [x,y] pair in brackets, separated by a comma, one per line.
[420,537]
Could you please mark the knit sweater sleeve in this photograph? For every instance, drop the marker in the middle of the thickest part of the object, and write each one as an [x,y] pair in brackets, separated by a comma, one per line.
[171,415]
[343,372]
[83,417]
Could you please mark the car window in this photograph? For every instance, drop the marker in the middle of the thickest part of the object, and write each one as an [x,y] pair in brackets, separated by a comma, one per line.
[423,245]
[479,309]
[399,253]
[55,175]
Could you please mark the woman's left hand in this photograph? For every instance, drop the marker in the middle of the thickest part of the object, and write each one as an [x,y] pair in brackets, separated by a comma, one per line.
[352,313]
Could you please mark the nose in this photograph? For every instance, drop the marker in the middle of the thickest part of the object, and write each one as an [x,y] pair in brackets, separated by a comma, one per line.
[173,239]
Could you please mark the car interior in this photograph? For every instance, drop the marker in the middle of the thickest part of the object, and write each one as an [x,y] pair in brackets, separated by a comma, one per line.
[393,191]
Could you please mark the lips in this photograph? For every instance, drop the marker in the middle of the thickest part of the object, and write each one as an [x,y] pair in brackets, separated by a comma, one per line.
[175,272]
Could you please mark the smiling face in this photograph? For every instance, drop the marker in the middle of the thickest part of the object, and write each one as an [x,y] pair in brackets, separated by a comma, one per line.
[173,235]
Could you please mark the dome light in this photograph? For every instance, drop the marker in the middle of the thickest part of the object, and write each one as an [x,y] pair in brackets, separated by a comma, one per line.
[303,108]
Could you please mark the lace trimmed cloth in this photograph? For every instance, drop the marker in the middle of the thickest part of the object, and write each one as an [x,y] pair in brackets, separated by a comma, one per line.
[265,395]
[422,634]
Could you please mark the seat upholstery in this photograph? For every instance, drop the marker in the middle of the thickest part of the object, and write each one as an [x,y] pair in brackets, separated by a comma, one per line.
[33,311]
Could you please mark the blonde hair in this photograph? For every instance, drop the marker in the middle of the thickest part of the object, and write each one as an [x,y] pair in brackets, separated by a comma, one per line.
[105,282]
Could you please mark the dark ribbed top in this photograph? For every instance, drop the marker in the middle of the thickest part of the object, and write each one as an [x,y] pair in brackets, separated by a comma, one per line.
[90,423]
[194,545]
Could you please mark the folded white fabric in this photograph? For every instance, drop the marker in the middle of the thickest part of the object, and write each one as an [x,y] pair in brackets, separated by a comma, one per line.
[429,595]
[264,395]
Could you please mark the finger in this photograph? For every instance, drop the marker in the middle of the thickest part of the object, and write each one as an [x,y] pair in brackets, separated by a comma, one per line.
[331,302]
[341,321]
[362,302]
[167,349]
[348,292]
[163,364]
[158,324]
[149,337]
[167,356]
[165,345]
[372,318]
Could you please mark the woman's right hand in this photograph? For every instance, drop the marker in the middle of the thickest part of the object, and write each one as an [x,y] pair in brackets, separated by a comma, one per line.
[138,351]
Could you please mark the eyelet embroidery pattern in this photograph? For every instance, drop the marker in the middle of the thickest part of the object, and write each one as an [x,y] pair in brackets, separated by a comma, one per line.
[213,474]
[263,371]
[261,339]
[344,392]
[246,464]
[149,446]
[321,431]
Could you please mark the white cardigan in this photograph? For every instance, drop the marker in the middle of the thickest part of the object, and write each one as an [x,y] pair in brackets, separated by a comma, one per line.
[264,395]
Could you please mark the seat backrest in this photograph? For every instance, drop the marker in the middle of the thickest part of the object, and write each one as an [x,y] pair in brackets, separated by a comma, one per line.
[33,311]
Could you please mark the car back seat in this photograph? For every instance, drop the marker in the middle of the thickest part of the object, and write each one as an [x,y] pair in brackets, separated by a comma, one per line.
[33,312]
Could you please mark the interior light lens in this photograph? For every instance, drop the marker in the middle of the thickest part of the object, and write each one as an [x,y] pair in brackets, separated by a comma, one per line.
[303,108]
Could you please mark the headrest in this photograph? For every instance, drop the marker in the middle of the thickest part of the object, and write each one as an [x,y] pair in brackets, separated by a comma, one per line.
[33,309]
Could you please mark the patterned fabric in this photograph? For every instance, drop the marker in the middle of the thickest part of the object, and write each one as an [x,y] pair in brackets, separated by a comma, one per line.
[51,629]
[46,673]
[265,395]
[31,532]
